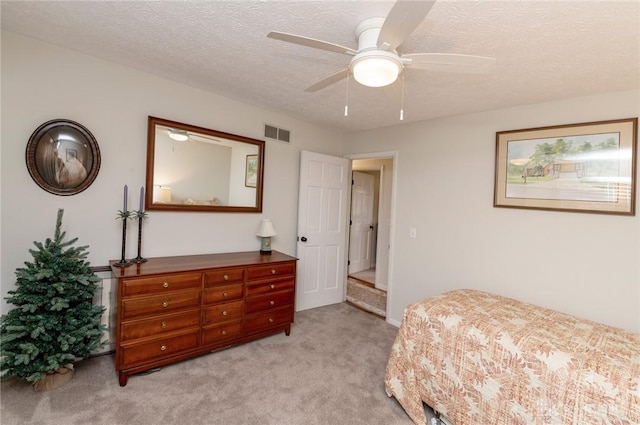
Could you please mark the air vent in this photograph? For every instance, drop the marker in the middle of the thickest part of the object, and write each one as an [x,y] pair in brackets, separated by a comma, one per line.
[275,133]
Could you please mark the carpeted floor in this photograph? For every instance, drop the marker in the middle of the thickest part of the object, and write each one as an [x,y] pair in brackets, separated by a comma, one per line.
[366,297]
[329,371]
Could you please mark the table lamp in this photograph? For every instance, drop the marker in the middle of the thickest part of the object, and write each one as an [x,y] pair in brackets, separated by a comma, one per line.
[265,232]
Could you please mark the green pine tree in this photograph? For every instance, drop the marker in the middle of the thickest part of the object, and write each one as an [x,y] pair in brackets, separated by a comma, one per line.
[54,321]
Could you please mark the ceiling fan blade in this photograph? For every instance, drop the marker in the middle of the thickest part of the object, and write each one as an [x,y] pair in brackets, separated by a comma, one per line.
[450,62]
[403,18]
[329,80]
[204,137]
[311,42]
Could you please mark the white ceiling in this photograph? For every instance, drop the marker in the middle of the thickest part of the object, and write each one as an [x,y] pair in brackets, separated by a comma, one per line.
[545,50]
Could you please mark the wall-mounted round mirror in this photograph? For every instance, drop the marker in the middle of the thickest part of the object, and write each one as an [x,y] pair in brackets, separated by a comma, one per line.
[63,157]
[191,168]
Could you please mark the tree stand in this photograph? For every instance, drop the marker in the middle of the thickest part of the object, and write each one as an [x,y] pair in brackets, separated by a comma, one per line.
[55,379]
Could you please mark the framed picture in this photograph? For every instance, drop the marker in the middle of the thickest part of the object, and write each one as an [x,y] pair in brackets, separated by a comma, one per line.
[587,167]
[251,171]
[63,157]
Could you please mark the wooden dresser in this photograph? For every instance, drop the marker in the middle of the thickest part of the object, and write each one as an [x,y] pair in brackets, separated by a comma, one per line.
[173,308]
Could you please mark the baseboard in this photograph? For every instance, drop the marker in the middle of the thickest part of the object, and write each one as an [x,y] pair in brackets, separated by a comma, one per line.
[393,322]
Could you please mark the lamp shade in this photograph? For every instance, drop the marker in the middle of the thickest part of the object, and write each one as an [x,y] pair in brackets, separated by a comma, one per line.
[376,68]
[266,229]
[161,194]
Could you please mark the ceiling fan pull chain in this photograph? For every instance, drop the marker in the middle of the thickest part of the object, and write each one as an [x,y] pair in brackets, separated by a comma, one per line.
[346,102]
[402,99]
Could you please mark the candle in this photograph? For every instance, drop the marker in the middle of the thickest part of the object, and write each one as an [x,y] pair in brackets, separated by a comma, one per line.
[141,198]
[125,199]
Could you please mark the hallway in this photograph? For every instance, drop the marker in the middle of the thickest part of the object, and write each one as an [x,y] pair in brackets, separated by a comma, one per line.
[368,276]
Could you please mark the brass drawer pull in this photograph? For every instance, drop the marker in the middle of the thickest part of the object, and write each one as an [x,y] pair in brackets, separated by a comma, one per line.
[163,325]
[163,347]
[272,286]
[223,332]
[225,277]
[165,304]
[270,320]
[273,271]
[272,302]
[225,295]
[224,313]
[165,285]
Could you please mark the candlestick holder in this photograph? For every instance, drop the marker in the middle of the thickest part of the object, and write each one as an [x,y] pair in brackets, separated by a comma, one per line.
[124,216]
[140,216]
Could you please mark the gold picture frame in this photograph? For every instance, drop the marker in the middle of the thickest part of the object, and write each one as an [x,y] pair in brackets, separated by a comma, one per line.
[587,167]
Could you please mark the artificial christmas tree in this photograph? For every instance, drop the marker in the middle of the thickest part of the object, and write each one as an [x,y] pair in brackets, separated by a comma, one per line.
[54,322]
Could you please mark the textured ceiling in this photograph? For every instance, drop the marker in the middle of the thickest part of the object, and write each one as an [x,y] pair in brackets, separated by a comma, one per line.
[545,50]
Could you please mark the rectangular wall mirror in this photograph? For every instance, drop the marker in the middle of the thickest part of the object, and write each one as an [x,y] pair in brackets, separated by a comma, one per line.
[191,168]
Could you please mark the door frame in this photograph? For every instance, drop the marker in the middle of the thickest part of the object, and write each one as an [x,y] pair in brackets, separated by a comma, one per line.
[392,213]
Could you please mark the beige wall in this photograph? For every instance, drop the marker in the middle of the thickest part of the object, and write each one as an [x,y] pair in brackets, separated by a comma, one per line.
[445,174]
[41,82]
[444,188]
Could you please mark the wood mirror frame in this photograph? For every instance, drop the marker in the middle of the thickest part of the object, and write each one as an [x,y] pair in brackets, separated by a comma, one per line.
[224,172]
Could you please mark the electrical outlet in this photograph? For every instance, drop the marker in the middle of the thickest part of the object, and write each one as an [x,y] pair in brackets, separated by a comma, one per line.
[413,233]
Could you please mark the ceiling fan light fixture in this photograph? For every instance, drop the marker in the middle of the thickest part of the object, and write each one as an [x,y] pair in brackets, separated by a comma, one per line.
[376,68]
[179,135]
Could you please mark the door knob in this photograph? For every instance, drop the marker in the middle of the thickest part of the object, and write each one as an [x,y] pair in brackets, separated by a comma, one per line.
[303,239]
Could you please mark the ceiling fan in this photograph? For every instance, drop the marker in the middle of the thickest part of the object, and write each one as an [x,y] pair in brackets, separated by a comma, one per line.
[183,136]
[377,63]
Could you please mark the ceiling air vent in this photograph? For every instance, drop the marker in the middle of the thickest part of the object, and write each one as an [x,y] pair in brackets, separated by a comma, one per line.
[275,133]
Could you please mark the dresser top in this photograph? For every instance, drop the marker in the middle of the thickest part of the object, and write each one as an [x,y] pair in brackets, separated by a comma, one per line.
[184,263]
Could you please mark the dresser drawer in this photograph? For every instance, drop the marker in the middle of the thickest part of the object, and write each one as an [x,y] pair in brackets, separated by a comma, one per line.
[268,287]
[223,293]
[219,333]
[158,348]
[223,276]
[269,301]
[223,312]
[272,270]
[159,284]
[173,308]
[171,301]
[159,324]
[272,319]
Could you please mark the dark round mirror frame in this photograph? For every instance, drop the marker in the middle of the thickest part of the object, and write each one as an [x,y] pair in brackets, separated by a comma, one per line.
[76,171]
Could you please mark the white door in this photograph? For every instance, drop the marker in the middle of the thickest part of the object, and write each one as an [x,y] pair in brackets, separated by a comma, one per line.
[322,220]
[361,222]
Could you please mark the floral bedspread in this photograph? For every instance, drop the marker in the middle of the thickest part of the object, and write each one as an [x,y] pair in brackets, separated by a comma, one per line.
[479,358]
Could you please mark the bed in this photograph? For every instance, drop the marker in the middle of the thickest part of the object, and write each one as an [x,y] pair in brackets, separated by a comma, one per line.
[479,358]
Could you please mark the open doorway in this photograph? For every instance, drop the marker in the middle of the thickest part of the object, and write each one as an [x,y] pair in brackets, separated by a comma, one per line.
[370,232]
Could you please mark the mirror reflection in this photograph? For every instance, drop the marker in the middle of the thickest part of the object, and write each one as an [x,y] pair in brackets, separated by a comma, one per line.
[196,169]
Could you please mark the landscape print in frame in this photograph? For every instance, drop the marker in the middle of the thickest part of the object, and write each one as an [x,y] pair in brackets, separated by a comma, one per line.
[587,167]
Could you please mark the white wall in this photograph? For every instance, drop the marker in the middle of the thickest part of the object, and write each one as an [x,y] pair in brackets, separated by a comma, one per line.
[444,188]
[41,82]
[583,264]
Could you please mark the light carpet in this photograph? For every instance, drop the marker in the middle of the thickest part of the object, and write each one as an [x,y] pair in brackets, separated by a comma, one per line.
[330,370]
[368,298]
